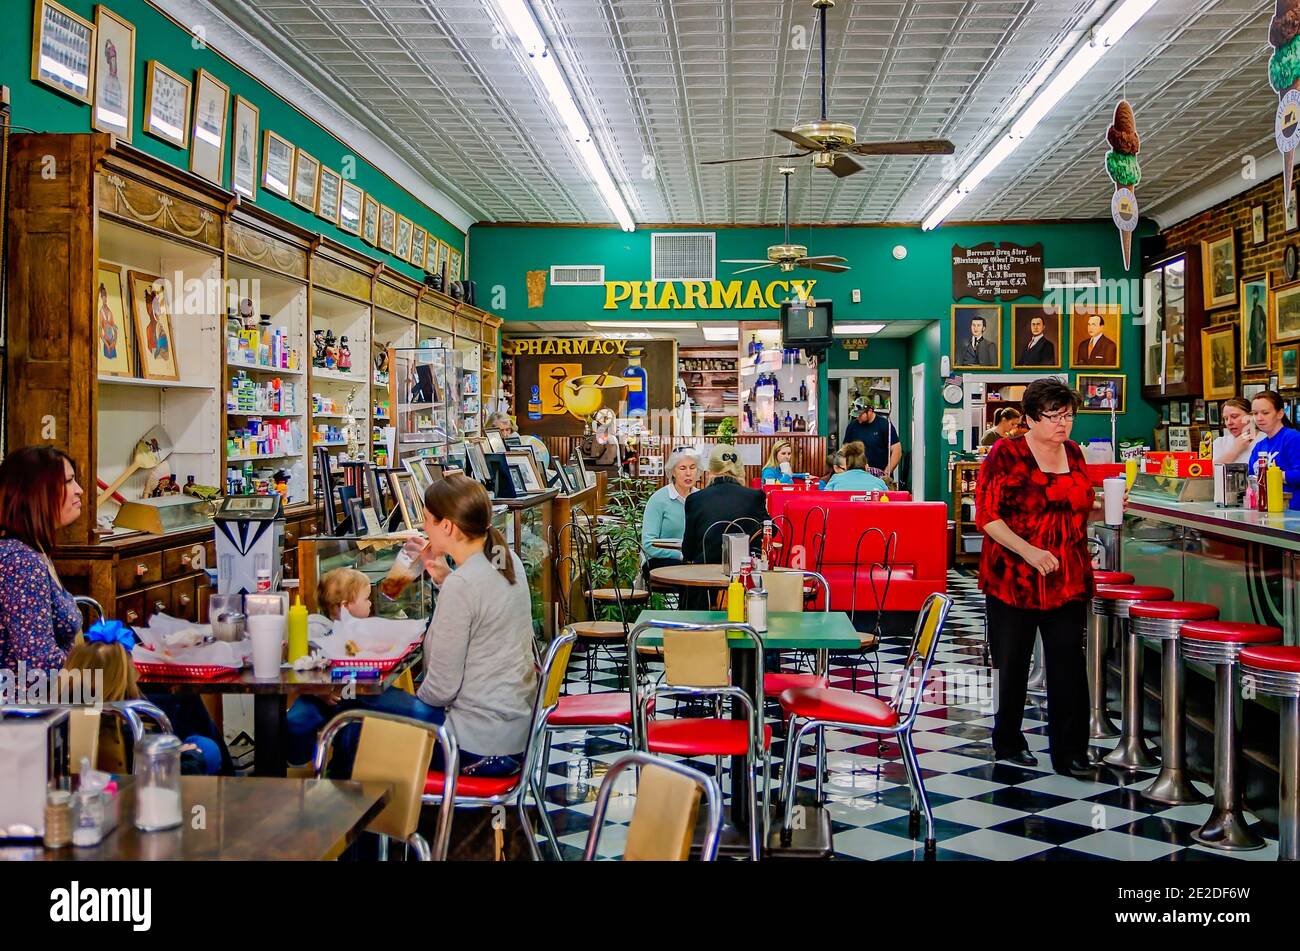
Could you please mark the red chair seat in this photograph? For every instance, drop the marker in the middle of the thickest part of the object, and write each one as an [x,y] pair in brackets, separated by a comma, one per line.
[843,706]
[1133,592]
[478,786]
[1284,659]
[775,684]
[1232,632]
[590,709]
[1174,610]
[701,737]
[1112,577]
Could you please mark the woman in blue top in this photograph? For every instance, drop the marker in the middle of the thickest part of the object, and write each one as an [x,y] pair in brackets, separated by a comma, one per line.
[1281,443]
[777,467]
[855,477]
[665,511]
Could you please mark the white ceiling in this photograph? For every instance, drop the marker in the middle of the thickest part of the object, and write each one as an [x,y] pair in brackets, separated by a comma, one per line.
[666,83]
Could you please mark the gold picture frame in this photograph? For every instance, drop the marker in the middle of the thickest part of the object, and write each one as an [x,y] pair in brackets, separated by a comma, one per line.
[387,229]
[1284,312]
[1022,317]
[1219,270]
[245,124]
[114,329]
[1253,319]
[164,117]
[453,263]
[1288,367]
[1104,352]
[306,179]
[402,246]
[352,202]
[154,336]
[968,351]
[63,51]
[419,237]
[114,98]
[278,155]
[1219,361]
[370,221]
[328,194]
[208,127]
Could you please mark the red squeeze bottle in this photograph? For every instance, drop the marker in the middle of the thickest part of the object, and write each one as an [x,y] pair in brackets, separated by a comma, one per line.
[747,575]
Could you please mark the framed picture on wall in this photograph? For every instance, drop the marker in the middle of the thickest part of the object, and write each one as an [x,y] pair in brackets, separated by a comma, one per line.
[277,164]
[1219,270]
[112,323]
[1094,335]
[243,149]
[1219,361]
[1101,392]
[976,336]
[1035,337]
[1285,313]
[151,312]
[370,221]
[1290,210]
[387,228]
[403,246]
[453,263]
[114,74]
[1198,411]
[166,104]
[63,50]
[437,254]
[418,238]
[1212,413]
[1254,322]
[351,202]
[1288,366]
[306,179]
[1258,228]
[327,196]
[208,145]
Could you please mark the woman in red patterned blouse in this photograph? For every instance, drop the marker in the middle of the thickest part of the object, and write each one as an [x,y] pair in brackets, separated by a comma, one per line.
[1032,503]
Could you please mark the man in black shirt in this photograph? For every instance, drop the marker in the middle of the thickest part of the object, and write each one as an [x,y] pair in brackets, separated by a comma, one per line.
[878,435]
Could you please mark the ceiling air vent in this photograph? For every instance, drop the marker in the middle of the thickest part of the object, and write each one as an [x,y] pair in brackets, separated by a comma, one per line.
[682,256]
[577,275]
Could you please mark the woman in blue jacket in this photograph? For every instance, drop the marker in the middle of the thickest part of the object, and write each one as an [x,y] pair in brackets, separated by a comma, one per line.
[1281,443]
[855,477]
[779,460]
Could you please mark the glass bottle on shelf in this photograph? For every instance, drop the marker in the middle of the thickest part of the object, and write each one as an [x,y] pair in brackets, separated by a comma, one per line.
[803,391]
[635,376]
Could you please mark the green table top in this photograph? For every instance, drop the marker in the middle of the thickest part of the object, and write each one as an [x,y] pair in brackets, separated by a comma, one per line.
[804,630]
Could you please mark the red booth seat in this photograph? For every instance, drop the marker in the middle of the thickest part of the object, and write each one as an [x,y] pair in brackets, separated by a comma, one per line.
[779,497]
[919,562]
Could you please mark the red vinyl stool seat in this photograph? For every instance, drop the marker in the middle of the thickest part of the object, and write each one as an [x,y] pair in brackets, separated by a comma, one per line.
[1133,592]
[843,706]
[613,708]
[1232,632]
[1112,577]
[775,684]
[1174,610]
[702,737]
[478,787]
[1283,659]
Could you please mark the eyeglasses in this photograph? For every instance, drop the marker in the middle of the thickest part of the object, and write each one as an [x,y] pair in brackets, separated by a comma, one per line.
[1064,418]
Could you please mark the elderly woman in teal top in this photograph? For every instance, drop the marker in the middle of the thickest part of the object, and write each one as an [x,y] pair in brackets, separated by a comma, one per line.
[665,512]
[855,477]
[779,460]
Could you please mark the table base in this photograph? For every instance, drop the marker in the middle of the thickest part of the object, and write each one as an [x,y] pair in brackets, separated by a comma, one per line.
[814,841]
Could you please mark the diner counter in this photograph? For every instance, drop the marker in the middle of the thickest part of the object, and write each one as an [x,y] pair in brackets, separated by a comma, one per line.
[1281,529]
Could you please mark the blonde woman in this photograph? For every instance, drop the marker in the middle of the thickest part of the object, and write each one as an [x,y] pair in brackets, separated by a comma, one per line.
[778,467]
[725,500]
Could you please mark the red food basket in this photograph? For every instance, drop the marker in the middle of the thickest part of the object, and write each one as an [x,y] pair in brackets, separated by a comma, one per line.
[185,671]
[383,666]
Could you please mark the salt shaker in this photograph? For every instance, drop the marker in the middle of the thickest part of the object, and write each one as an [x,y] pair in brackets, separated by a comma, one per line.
[158,783]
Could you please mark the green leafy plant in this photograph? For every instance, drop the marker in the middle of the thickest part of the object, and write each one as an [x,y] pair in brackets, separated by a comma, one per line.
[727,429]
[619,532]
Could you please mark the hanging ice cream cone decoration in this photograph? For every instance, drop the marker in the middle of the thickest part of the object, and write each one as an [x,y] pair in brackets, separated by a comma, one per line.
[1122,167]
[1284,76]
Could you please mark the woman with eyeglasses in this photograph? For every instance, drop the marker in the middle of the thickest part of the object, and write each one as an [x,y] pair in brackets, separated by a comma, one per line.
[1032,503]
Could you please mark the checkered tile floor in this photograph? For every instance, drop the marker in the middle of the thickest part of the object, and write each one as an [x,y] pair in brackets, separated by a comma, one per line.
[983,810]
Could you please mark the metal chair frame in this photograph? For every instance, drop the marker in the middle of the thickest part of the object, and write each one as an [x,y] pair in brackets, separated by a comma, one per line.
[712,795]
[906,710]
[517,795]
[889,543]
[451,760]
[584,551]
[90,604]
[757,752]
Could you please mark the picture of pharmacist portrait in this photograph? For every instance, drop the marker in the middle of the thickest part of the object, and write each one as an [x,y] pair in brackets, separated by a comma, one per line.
[976,335]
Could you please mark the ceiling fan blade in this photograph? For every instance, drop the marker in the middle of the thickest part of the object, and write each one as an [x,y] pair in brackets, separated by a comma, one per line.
[823,259]
[744,261]
[836,268]
[843,166]
[746,270]
[752,158]
[915,147]
[800,140]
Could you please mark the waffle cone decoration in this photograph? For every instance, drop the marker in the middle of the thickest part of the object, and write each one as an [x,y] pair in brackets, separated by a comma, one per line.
[535,282]
[1123,169]
[1284,76]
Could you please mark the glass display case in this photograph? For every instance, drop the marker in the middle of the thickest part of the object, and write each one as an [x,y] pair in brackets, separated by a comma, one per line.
[526,524]
[777,384]
[1172,316]
[372,556]
[424,389]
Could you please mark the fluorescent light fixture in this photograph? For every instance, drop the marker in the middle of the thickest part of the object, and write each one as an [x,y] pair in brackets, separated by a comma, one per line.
[1050,85]
[627,335]
[645,324]
[847,330]
[721,333]
[520,21]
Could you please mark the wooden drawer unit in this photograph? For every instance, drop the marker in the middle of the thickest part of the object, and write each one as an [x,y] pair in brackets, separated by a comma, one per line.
[130,610]
[202,591]
[157,600]
[184,599]
[186,559]
[138,571]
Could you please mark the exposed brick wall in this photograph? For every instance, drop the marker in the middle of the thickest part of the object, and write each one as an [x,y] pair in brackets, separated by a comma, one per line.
[1252,258]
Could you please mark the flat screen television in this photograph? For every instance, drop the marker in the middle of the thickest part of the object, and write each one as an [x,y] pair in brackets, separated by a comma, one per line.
[806,325]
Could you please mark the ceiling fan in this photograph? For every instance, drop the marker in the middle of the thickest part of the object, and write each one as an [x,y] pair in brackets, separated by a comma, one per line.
[789,256]
[829,142]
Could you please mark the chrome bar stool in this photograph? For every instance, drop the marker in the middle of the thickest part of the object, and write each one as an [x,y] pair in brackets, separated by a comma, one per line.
[1163,621]
[1113,601]
[1275,671]
[1222,643]
[1100,726]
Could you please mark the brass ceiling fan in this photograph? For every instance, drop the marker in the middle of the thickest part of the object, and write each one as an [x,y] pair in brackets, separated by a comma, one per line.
[789,256]
[829,142]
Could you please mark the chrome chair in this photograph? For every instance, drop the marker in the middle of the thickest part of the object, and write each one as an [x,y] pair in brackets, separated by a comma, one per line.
[1132,752]
[697,663]
[487,791]
[573,577]
[134,713]
[397,750]
[879,575]
[667,807]
[90,610]
[814,709]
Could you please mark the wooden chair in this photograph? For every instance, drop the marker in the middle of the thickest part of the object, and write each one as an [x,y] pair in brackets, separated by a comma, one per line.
[397,750]
[666,811]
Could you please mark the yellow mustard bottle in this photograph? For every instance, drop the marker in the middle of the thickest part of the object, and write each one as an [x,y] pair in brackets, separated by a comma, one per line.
[735,600]
[297,629]
[1274,477]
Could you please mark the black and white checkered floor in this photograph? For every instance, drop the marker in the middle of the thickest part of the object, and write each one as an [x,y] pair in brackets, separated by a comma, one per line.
[983,809]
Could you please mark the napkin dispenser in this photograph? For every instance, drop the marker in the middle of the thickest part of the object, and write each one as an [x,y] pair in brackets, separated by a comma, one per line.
[1235,481]
[735,551]
[35,750]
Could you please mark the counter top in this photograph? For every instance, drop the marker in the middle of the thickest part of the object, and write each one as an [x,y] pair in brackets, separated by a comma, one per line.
[1281,530]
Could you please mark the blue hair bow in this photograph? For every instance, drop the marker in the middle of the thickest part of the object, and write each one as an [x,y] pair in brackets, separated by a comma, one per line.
[111,632]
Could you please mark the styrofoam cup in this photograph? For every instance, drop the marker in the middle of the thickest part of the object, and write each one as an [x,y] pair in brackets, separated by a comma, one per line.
[267,634]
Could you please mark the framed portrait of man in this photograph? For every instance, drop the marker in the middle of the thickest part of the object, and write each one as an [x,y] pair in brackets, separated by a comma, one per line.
[1254,322]
[1094,336]
[976,337]
[1035,337]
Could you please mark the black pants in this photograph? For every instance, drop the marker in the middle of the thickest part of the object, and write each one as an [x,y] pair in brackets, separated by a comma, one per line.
[1011,641]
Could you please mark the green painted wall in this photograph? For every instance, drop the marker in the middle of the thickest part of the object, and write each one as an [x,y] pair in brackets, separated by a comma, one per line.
[38,107]
[917,287]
